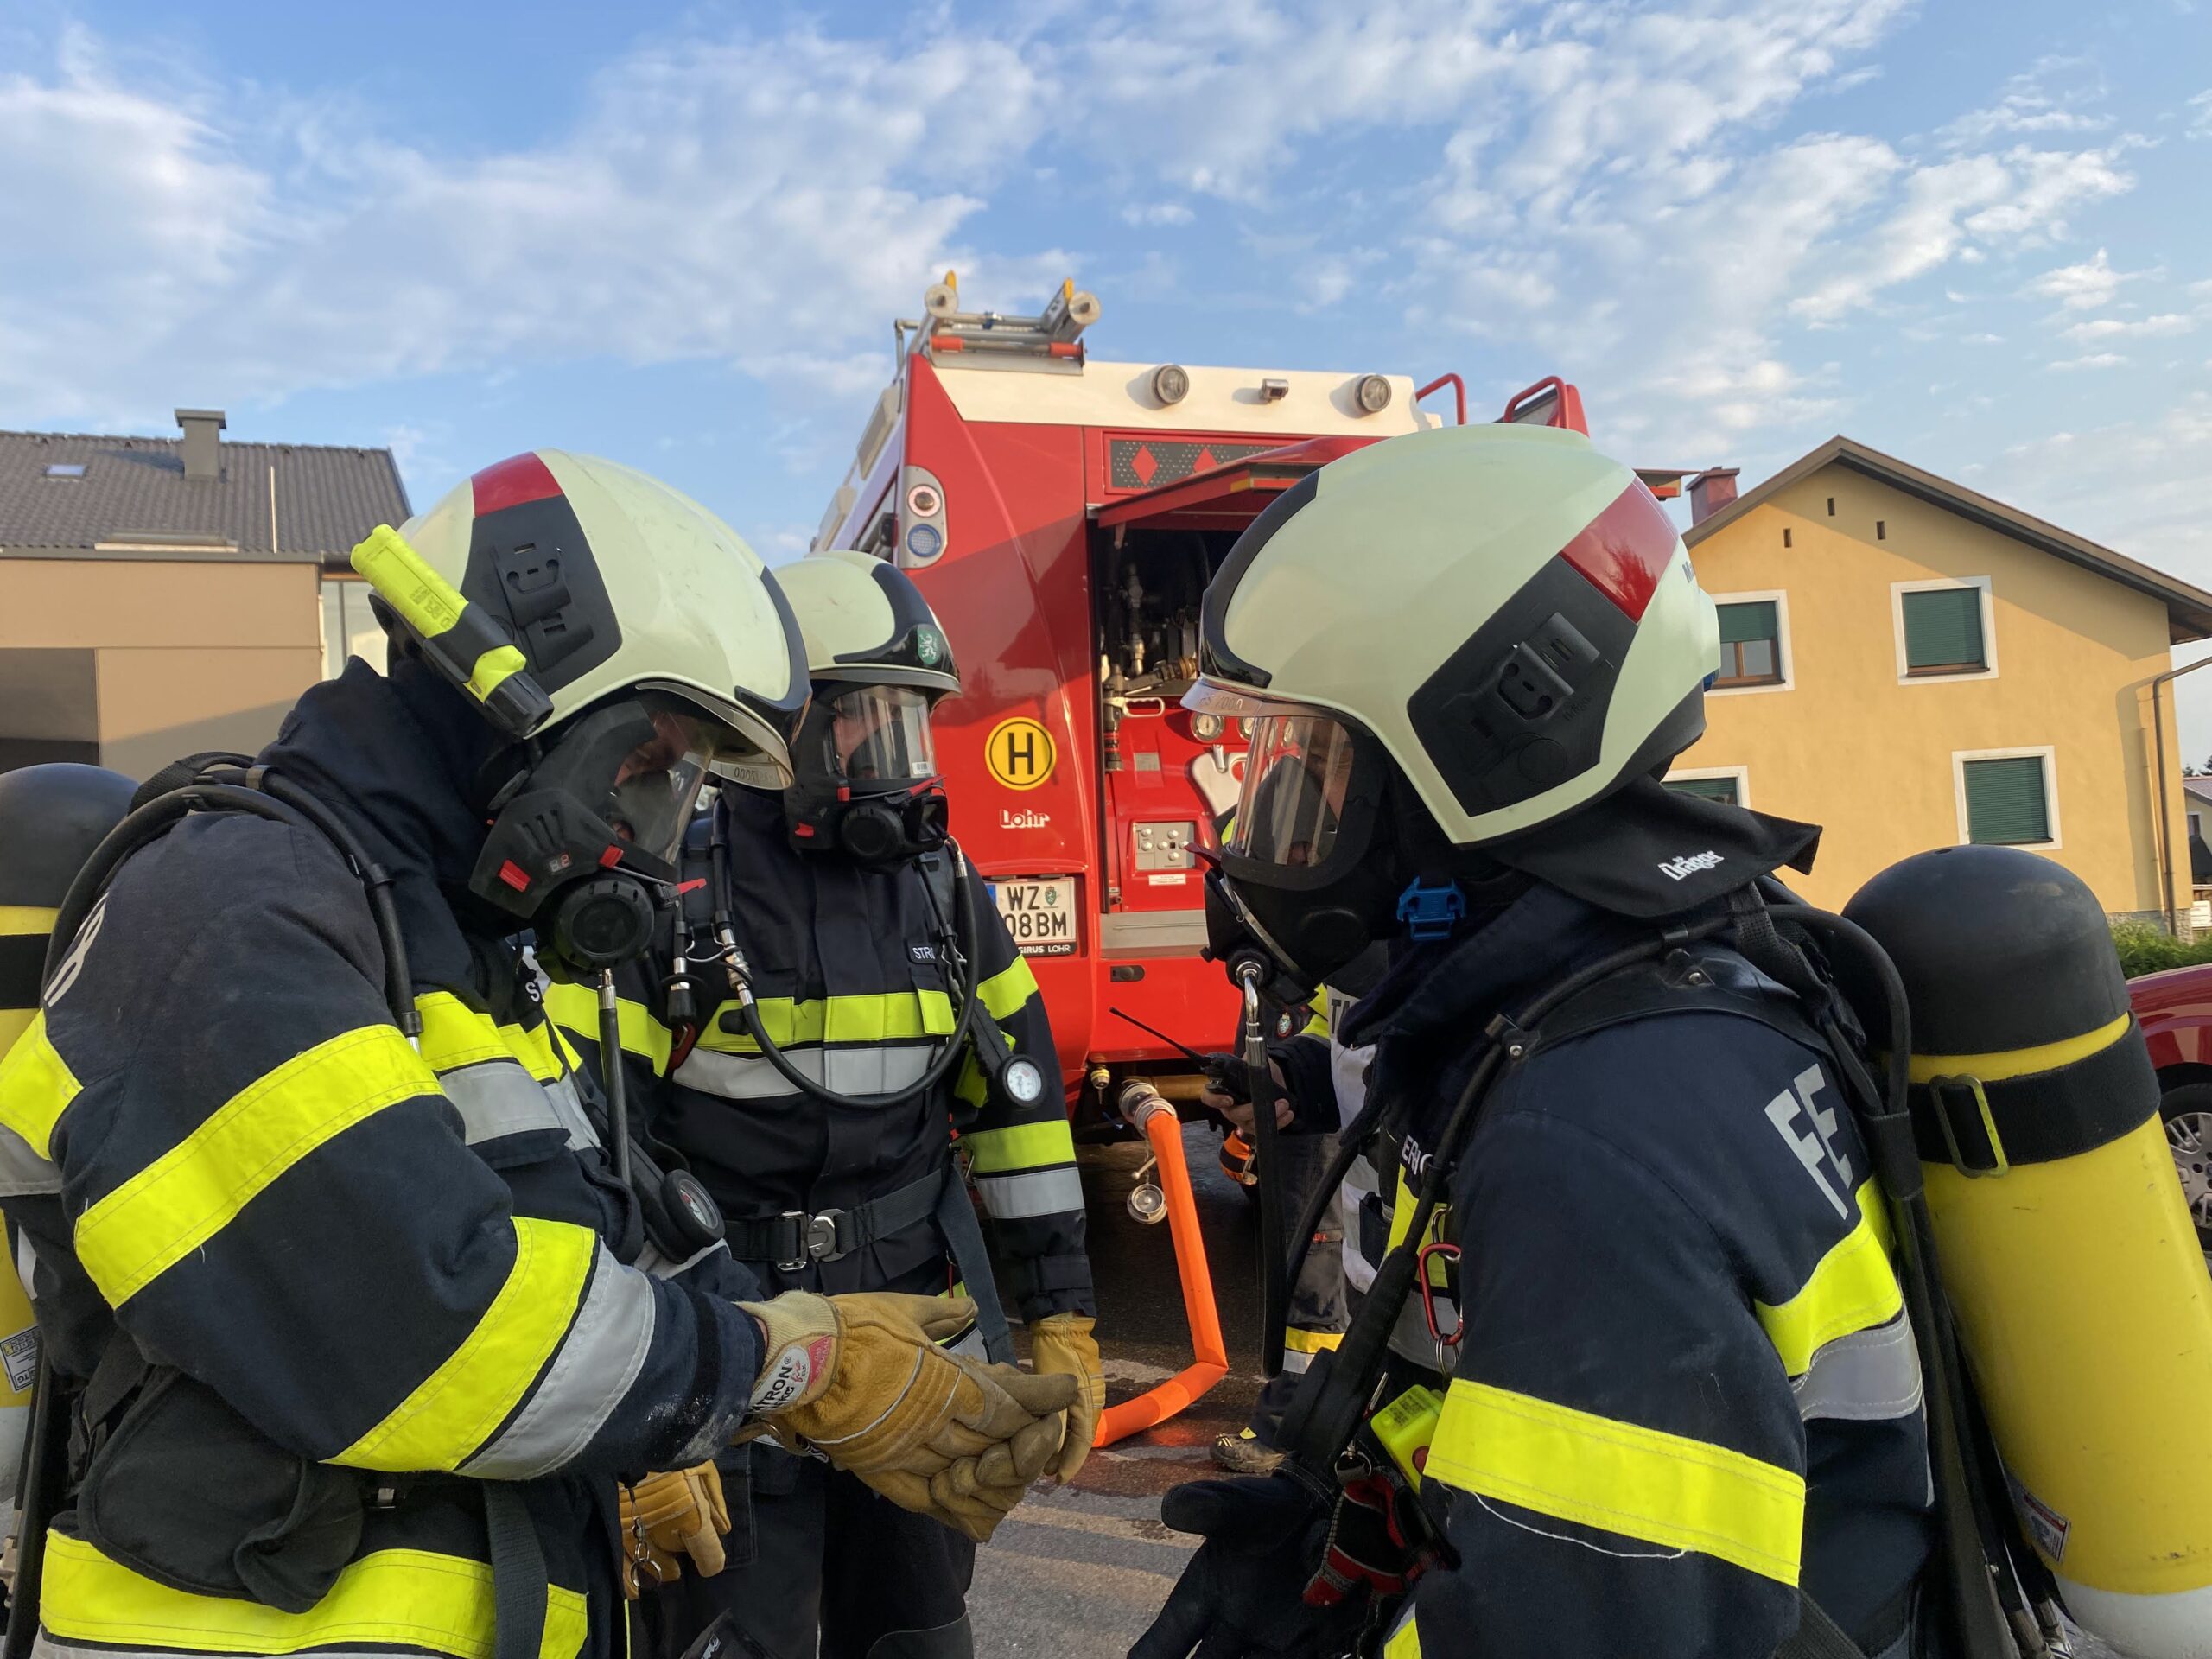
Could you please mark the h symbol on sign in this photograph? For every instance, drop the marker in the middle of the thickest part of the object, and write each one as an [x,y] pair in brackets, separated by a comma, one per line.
[1021,753]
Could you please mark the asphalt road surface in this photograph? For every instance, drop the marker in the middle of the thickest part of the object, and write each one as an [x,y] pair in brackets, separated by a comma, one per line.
[1076,1573]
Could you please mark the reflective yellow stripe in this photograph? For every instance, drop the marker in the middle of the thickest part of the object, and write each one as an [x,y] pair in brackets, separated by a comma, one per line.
[1405,1641]
[190,1193]
[1317,1027]
[1853,1288]
[36,1087]
[1310,1342]
[1006,992]
[1620,1477]
[16,921]
[892,1016]
[459,1404]
[454,1034]
[1403,1206]
[1024,1146]
[2021,1062]
[494,668]
[398,1597]
[577,1008]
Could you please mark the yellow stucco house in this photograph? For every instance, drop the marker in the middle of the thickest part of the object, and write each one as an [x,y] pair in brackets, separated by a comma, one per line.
[1912,665]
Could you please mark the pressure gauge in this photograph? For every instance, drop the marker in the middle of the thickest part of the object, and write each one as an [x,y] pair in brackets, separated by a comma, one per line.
[1206,727]
[1023,1080]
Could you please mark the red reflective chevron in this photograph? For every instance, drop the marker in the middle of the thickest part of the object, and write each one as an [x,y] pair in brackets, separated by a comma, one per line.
[512,482]
[1625,550]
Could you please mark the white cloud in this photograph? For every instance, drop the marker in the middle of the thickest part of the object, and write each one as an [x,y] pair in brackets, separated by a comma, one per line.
[1157,213]
[2031,103]
[2200,120]
[2081,286]
[2098,360]
[2164,326]
[711,201]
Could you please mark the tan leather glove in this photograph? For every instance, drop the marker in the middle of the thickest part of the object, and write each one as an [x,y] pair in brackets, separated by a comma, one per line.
[1061,1344]
[861,1379]
[666,1516]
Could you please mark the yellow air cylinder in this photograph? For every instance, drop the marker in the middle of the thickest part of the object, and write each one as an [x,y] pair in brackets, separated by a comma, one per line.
[2065,1246]
[50,818]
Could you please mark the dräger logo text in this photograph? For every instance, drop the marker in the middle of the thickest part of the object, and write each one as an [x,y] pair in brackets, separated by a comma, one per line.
[1675,868]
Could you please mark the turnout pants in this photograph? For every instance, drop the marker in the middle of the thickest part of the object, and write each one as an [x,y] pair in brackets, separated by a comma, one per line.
[1318,1318]
[831,1562]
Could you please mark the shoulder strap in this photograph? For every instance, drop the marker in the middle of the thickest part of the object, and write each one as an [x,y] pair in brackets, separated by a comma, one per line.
[1818,1636]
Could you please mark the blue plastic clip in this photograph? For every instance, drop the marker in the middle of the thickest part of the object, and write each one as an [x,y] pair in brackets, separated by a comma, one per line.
[1431,912]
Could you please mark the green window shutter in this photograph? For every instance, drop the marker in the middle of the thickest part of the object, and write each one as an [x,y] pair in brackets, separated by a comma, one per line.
[1942,628]
[1752,620]
[2005,802]
[1711,789]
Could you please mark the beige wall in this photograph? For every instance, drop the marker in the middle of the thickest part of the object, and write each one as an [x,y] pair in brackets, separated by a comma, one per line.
[187,654]
[1850,747]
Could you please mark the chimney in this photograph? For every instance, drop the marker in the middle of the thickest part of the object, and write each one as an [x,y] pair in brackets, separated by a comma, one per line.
[1711,491]
[202,449]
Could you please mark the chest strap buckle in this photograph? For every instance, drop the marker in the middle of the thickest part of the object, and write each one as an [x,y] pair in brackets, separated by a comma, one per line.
[814,1238]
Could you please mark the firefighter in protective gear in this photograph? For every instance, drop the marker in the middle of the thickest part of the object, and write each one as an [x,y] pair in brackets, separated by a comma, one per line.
[1321,1092]
[1681,1408]
[841,898]
[365,1326]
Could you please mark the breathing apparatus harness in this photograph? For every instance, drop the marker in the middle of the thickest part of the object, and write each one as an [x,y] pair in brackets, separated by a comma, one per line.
[1995,1595]
[706,946]
[678,1217]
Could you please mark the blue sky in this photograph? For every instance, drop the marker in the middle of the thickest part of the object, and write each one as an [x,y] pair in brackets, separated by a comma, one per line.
[1975,236]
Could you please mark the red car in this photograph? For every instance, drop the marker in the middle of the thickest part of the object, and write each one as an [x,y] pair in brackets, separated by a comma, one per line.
[2174,1009]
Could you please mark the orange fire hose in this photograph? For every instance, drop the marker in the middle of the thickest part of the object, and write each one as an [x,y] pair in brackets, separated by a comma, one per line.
[1210,1359]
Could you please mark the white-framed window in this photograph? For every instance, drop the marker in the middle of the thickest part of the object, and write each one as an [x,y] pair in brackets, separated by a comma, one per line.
[348,628]
[1729,784]
[2007,798]
[1945,629]
[1754,642]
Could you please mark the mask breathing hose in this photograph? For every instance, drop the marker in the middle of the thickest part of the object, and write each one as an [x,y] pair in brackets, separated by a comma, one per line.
[618,1093]
[748,1008]
[1260,1089]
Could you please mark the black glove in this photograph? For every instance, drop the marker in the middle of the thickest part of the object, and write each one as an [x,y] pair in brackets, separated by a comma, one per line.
[1243,1594]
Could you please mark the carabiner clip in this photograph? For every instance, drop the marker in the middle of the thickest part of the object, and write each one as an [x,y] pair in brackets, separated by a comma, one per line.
[1429,1287]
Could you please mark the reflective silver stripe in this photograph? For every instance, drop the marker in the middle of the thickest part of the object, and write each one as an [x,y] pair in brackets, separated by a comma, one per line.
[1360,1183]
[653,1263]
[969,1345]
[1868,1376]
[874,1069]
[593,1368]
[1295,1363]
[1034,1192]
[1409,1338]
[497,1098]
[23,1173]
[562,1091]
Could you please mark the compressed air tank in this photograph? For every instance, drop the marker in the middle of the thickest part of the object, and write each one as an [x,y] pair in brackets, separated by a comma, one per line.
[2065,1246]
[50,818]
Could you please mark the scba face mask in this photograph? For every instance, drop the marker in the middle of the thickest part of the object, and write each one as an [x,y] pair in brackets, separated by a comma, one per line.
[586,835]
[1305,880]
[866,784]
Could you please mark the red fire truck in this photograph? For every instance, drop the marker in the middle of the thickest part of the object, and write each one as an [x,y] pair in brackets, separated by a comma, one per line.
[1063,514]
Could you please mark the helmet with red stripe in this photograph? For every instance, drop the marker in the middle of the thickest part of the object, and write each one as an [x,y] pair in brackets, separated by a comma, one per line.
[586,578]
[1441,641]
[628,642]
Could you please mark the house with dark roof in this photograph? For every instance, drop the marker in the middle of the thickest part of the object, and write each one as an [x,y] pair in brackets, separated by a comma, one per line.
[163,595]
[1912,664]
